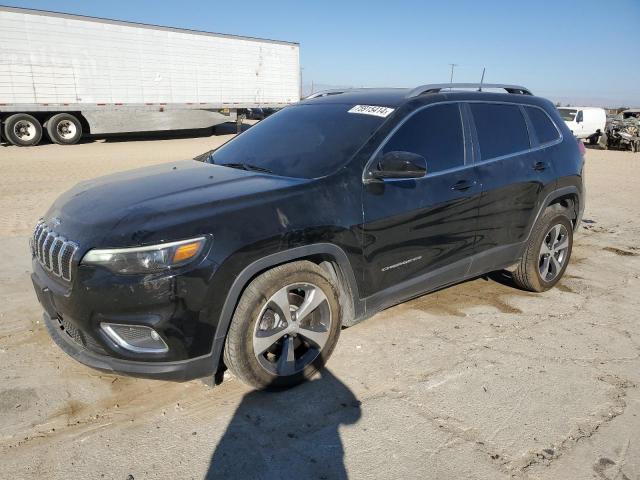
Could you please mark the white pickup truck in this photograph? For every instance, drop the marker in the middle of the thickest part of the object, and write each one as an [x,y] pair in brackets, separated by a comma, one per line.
[585,122]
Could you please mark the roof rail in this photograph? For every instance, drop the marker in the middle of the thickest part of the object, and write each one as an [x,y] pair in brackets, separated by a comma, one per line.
[437,87]
[326,93]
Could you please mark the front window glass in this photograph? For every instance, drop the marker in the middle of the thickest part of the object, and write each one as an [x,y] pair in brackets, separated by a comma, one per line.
[436,134]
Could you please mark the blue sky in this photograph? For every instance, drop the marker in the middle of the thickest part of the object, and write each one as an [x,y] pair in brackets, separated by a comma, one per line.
[578,51]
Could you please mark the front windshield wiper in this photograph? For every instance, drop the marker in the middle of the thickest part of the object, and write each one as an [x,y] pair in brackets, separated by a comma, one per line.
[246,166]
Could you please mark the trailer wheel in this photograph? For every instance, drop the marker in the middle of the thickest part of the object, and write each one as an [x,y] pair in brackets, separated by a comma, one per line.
[22,130]
[64,129]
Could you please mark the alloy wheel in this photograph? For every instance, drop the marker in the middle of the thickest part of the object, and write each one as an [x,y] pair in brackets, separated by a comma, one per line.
[553,252]
[292,329]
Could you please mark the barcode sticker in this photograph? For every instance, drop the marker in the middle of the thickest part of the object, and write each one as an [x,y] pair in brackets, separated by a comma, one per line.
[372,110]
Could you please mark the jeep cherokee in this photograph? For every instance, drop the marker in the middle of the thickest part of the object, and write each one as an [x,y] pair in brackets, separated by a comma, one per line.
[254,256]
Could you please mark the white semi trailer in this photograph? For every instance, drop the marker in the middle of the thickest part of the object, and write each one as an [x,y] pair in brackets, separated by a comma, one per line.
[69,75]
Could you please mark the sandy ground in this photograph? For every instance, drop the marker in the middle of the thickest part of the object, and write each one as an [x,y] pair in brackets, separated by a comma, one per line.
[480,380]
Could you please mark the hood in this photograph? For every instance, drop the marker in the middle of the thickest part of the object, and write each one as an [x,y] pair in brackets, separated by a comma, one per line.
[141,206]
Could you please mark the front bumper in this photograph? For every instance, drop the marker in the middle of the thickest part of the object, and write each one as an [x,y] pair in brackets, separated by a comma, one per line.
[177,371]
[74,313]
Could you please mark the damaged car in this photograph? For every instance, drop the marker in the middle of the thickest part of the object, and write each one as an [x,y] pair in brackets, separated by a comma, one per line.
[622,132]
[254,258]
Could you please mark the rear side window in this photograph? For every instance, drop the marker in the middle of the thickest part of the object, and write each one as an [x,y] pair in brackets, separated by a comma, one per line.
[501,129]
[545,130]
[436,134]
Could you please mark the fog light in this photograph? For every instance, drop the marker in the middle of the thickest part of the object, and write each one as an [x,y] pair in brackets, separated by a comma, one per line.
[135,338]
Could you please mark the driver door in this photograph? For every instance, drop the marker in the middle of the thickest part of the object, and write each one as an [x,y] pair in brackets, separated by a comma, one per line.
[419,233]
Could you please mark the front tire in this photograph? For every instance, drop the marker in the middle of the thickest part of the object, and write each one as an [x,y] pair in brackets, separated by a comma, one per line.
[22,130]
[284,328]
[547,253]
[64,129]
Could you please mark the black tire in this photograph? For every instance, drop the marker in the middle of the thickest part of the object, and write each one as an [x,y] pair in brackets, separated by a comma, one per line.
[239,354]
[64,129]
[22,130]
[527,275]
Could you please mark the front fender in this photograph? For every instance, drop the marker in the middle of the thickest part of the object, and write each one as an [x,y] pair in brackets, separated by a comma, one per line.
[256,267]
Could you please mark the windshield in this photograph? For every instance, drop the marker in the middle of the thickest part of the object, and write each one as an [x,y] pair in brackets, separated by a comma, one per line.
[305,141]
[568,114]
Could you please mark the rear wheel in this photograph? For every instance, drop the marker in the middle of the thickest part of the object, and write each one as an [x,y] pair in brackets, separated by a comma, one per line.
[22,130]
[547,253]
[64,129]
[285,327]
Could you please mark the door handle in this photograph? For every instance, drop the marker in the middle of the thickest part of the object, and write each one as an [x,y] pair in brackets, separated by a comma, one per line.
[462,185]
[540,166]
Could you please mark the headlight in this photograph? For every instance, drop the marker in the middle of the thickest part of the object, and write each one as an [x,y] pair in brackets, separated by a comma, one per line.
[148,259]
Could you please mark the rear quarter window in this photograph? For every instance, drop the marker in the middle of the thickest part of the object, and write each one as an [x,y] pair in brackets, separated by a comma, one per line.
[501,129]
[543,127]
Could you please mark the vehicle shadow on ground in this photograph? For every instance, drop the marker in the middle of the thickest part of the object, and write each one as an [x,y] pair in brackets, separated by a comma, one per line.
[288,434]
[504,277]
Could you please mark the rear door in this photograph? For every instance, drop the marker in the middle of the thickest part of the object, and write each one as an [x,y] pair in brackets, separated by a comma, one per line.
[422,230]
[511,179]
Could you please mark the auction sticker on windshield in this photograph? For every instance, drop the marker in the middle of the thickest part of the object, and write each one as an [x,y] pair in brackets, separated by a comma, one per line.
[372,110]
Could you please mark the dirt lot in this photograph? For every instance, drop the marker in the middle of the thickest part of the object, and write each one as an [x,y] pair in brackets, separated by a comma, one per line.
[476,381]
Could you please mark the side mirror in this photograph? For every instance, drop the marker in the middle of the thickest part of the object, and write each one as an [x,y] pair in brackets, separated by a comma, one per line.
[399,164]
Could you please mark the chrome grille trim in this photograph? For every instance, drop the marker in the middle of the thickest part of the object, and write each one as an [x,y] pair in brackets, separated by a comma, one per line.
[45,244]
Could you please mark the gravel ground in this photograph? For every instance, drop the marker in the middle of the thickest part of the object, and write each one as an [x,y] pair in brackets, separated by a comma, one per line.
[479,380]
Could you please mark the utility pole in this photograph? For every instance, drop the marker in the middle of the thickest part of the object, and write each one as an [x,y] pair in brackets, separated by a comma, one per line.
[453,65]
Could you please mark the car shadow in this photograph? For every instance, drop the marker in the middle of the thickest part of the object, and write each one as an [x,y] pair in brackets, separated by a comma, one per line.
[504,277]
[288,434]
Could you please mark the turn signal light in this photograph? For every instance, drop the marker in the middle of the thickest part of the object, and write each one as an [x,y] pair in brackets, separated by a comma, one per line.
[186,251]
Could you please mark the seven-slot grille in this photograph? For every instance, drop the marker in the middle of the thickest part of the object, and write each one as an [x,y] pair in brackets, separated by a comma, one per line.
[54,252]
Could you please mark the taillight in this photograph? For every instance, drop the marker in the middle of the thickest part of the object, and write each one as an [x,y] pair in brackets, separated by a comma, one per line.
[581,147]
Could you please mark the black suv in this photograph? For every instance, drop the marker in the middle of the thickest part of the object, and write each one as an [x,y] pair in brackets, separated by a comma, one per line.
[254,256]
